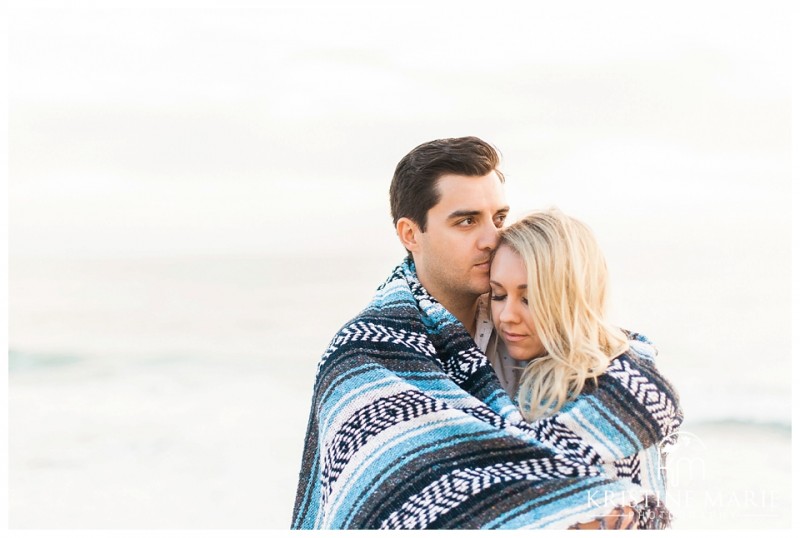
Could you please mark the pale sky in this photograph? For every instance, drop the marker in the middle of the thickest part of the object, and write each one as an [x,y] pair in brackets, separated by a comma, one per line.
[152,131]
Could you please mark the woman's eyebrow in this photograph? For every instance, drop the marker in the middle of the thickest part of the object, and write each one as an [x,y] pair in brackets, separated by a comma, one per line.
[520,287]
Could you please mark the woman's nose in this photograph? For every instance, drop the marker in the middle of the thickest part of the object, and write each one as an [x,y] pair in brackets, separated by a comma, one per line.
[509,312]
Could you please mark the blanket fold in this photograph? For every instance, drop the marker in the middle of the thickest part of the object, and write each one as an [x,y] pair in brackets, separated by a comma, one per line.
[409,428]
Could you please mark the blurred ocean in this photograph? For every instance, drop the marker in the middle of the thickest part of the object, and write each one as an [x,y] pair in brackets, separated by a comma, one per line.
[179,388]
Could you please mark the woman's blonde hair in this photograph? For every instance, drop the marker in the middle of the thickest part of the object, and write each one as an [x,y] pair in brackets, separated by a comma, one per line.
[567,278]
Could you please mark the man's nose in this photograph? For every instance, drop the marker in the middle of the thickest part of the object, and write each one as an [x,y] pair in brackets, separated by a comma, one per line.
[488,237]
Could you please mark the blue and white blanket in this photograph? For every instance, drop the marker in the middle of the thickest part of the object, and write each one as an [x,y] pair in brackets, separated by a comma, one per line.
[410,429]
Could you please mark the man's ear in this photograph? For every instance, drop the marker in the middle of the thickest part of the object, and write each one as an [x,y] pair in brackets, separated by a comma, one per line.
[408,233]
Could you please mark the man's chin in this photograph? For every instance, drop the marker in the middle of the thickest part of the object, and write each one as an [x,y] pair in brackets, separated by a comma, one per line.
[481,287]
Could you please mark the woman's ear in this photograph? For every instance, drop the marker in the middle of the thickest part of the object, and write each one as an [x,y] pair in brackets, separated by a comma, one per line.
[408,233]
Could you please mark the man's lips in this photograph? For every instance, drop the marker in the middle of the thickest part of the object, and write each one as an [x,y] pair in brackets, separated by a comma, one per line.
[483,265]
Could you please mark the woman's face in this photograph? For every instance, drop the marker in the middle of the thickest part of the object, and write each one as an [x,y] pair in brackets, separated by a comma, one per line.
[511,315]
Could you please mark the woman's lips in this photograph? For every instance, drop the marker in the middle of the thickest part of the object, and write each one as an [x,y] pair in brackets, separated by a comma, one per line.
[513,337]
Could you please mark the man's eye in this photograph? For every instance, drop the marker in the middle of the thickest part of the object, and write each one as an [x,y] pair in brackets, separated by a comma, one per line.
[499,220]
[469,221]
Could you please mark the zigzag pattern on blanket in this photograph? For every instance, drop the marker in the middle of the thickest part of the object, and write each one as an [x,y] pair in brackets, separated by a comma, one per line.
[409,428]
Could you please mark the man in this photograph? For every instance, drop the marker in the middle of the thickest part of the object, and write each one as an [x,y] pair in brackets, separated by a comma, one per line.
[447,202]
[447,219]
[409,425]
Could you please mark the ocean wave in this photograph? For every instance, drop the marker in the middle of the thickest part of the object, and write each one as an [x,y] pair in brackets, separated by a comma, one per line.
[775,425]
[21,361]
[765,407]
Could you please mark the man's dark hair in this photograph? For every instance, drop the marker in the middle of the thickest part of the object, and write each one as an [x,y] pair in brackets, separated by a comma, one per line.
[413,191]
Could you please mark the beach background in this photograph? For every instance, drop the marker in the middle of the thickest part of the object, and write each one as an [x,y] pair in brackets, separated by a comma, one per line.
[198,200]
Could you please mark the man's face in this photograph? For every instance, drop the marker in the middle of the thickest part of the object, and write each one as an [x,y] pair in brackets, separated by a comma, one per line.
[453,253]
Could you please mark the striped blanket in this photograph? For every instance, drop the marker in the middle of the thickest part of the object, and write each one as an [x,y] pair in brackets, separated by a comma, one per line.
[410,429]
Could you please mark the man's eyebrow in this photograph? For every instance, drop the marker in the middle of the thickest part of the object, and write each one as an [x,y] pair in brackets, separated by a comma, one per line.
[463,213]
[459,213]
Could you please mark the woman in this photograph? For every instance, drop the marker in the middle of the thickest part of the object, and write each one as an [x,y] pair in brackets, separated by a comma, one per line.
[591,381]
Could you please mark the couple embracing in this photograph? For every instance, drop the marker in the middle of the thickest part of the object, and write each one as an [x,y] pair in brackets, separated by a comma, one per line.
[483,388]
